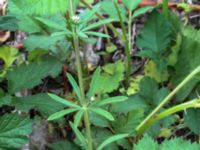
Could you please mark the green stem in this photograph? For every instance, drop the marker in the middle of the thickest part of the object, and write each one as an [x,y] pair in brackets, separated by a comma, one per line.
[130,30]
[166,8]
[80,79]
[126,41]
[167,99]
[83,100]
[191,104]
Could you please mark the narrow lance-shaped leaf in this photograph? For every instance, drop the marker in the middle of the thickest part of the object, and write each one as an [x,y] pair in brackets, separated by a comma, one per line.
[111,100]
[74,85]
[111,140]
[78,117]
[62,113]
[67,33]
[63,101]
[97,34]
[97,24]
[79,135]
[94,83]
[142,10]
[103,113]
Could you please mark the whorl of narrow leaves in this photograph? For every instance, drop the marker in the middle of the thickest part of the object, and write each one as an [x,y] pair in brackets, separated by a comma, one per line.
[40,7]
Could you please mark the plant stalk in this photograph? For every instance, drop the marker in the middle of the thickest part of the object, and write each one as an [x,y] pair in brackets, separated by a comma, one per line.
[191,104]
[83,100]
[130,30]
[166,100]
[166,8]
[80,79]
[126,41]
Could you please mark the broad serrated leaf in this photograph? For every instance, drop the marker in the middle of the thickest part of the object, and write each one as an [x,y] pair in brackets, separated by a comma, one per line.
[154,38]
[146,143]
[110,77]
[40,7]
[112,139]
[150,93]
[26,76]
[5,100]
[42,41]
[13,131]
[8,22]
[192,120]
[28,24]
[128,123]
[41,102]
[175,143]
[179,144]
[155,35]
[59,25]
[188,58]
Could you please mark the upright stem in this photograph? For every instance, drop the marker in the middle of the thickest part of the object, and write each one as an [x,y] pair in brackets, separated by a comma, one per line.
[130,30]
[166,8]
[126,41]
[167,99]
[83,100]
[80,79]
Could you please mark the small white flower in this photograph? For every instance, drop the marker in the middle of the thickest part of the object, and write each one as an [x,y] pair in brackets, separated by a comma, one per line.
[92,98]
[75,18]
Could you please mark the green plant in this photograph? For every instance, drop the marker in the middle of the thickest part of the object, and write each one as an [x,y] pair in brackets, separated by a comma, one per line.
[117,13]
[143,125]
[85,108]
[175,143]
[50,78]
